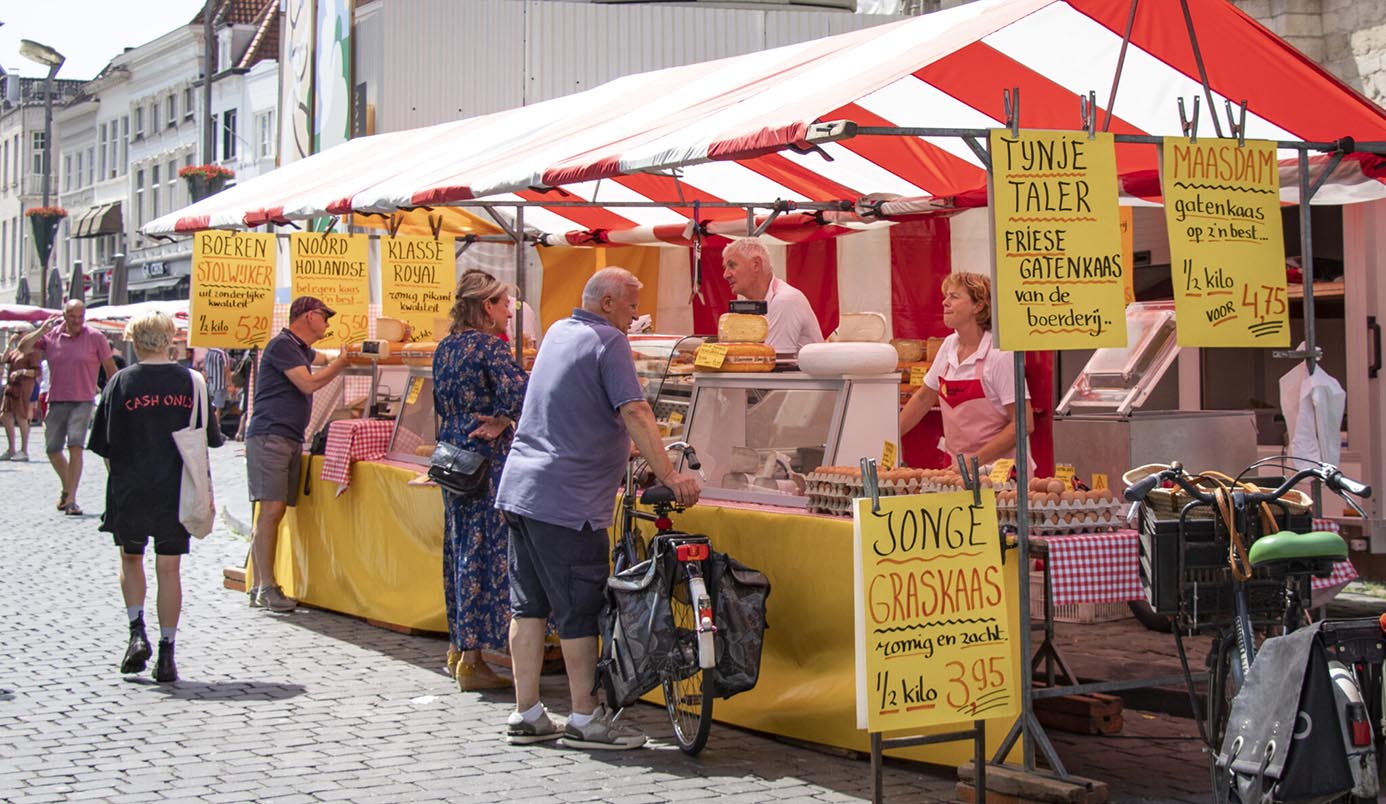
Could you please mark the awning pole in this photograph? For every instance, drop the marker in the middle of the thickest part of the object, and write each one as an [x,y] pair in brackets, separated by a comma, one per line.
[519,234]
[1198,60]
[1121,61]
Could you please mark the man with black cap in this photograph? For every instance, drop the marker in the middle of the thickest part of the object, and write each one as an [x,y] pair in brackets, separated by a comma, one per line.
[274,439]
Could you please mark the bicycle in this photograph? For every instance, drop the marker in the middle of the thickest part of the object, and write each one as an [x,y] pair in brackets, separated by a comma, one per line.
[684,663]
[1282,563]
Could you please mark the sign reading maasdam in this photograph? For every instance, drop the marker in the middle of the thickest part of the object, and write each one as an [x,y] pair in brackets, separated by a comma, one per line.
[232,289]
[934,642]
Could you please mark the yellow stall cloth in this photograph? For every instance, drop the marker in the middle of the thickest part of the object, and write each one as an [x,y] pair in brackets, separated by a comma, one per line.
[376,552]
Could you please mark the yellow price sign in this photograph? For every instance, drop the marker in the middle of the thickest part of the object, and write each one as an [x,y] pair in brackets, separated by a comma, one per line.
[417,275]
[415,388]
[675,417]
[1065,472]
[710,355]
[888,456]
[1099,481]
[232,296]
[1001,469]
[935,636]
[1059,263]
[917,374]
[336,269]
[1226,245]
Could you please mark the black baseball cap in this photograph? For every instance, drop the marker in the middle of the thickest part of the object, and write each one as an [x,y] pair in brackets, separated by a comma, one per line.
[307,304]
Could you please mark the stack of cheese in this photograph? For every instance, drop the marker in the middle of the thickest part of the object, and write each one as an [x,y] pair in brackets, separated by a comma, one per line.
[740,346]
[395,335]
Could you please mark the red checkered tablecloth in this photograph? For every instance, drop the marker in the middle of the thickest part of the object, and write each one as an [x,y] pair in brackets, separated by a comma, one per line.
[1105,567]
[353,440]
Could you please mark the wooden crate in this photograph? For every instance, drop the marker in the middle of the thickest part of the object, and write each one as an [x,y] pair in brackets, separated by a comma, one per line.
[1074,612]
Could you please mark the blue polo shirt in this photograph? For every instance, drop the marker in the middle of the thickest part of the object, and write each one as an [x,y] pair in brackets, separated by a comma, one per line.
[571,445]
[280,408]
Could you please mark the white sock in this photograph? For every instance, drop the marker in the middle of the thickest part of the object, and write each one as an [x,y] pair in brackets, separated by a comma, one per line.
[134,612]
[531,715]
[580,720]
[166,634]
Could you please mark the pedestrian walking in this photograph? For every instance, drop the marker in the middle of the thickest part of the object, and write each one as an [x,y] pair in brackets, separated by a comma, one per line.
[75,353]
[22,374]
[274,439]
[139,410]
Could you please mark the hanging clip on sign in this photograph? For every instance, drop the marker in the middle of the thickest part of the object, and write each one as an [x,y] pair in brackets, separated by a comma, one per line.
[1189,127]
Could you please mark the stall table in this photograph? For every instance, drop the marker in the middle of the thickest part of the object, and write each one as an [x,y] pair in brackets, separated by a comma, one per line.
[351,440]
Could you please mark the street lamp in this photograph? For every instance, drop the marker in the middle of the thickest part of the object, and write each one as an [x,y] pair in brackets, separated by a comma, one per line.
[53,60]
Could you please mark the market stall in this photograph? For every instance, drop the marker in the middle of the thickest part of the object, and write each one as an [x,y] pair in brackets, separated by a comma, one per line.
[739,151]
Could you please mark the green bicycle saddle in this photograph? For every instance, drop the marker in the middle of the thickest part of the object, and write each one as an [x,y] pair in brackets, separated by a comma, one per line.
[1289,546]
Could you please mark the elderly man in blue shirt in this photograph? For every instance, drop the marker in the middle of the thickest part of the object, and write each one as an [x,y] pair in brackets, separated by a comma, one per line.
[583,407]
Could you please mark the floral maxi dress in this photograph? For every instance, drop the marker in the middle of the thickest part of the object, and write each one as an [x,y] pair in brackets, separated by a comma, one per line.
[475,373]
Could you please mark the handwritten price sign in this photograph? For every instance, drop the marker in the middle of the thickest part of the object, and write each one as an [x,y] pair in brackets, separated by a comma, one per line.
[1060,266]
[334,268]
[417,275]
[934,634]
[1227,249]
[232,289]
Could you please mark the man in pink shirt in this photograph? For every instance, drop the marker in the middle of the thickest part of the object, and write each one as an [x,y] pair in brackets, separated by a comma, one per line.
[75,353]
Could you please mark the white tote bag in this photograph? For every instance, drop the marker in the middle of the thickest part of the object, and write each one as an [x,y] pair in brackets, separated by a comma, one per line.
[197,509]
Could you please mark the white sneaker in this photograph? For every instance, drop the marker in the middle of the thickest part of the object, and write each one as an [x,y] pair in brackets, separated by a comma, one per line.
[8,455]
[19,457]
[602,732]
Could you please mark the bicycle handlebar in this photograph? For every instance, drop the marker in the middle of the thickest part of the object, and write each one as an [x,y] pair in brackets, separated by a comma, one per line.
[1326,472]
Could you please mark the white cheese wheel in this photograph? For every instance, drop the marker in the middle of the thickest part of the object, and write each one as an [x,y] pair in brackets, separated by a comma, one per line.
[389,329]
[860,327]
[742,328]
[910,350]
[836,359]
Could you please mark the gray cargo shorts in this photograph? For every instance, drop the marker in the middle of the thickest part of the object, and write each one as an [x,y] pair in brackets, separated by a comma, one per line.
[272,467]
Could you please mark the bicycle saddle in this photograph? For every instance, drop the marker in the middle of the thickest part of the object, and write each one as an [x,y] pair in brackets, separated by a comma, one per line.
[657,494]
[1316,550]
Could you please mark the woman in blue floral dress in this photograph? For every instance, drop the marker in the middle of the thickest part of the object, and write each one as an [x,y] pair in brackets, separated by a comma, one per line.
[477,392]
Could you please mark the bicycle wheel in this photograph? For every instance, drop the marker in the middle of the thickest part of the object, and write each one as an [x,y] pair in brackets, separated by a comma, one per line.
[687,689]
[1221,688]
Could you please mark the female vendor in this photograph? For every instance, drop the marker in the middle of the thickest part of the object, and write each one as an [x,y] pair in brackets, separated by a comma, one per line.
[972,381]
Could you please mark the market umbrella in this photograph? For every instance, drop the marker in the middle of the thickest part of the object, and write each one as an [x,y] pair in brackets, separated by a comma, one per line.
[24,312]
[21,291]
[54,296]
[77,283]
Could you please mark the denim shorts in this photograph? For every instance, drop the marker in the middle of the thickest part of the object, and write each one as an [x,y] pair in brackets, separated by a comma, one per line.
[559,571]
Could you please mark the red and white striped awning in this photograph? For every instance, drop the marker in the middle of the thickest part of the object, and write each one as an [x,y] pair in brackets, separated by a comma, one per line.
[739,130]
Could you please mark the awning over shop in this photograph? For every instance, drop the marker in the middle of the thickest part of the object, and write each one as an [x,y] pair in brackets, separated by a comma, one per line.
[756,128]
[157,283]
[100,220]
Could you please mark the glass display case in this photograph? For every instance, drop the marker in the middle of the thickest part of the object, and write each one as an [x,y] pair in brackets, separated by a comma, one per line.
[759,435]
[416,425]
[664,364]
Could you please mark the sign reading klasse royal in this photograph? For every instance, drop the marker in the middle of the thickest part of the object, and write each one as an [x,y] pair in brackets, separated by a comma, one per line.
[232,301]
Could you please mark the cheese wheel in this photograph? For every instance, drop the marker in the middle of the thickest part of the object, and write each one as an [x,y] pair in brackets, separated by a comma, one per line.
[389,329]
[742,328]
[836,359]
[745,357]
[355,358]
[910,350]
[860,327]
[417,354]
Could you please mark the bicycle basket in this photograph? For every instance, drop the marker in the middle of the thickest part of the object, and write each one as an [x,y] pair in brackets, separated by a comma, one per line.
[639,640]
[738,607]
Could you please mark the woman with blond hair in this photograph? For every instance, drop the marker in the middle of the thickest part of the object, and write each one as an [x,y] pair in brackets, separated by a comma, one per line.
[477,391]
[972,381]
[140,408]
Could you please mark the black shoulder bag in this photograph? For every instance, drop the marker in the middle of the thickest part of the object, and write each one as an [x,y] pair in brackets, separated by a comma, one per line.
[461,471]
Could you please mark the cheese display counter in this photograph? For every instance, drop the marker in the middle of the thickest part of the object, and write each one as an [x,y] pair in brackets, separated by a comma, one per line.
[376,551]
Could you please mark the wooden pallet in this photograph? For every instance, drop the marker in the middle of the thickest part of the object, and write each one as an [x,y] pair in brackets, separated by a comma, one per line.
[1011,785]
[1094,713]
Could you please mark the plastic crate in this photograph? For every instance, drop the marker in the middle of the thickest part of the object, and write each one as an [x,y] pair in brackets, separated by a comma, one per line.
[1205,585]
[1083,613]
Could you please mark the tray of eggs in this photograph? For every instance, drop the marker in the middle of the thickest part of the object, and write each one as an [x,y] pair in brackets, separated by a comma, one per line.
[1055,509]
[831,489]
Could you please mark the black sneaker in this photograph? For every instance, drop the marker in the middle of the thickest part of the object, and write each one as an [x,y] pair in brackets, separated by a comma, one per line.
[138,652]
[165,671]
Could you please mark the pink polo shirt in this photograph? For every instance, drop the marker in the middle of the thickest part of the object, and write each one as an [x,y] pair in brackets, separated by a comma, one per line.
[73,363]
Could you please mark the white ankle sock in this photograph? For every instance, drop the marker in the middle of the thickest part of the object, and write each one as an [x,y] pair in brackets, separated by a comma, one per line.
[166,634]
[531,715]
[134,612]
[581,720]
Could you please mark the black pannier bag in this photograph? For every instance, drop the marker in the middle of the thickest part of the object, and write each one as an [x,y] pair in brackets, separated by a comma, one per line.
[738,608]
[1284,740]
[638,636]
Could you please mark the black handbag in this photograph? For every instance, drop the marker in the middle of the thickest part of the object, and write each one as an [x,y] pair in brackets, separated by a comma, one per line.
[461,471]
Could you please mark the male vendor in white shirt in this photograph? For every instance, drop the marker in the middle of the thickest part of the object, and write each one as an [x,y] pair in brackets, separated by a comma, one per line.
[746,267]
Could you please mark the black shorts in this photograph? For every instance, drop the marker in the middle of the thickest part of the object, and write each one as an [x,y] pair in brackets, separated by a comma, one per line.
[167,544]
[559,571]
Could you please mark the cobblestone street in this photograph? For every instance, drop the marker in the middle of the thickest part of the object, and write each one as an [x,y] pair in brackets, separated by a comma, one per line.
[311,706]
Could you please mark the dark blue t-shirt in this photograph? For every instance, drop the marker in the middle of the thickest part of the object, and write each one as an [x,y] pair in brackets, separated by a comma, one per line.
[280,408]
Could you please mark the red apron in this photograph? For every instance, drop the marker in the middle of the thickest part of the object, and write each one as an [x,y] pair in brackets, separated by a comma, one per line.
[970,420]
